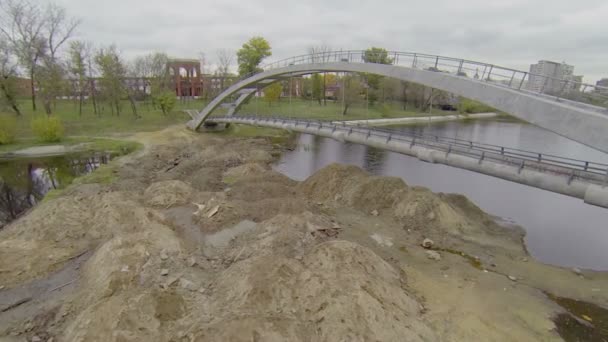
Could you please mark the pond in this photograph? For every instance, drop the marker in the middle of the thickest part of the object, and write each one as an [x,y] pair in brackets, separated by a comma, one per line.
[24,182]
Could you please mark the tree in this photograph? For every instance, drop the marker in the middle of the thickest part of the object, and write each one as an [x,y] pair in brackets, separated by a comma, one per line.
[350,91]
[272,93]
[320,54]
[317,87]
[51,82]
[112,75]
[22,24]
[224,61]
[379,56]
[79,56]
[252,54]
[8,74]
[58,28]
[35,34]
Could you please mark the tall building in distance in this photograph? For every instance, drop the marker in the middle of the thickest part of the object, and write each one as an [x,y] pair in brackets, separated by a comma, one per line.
[546,76]
[602,83]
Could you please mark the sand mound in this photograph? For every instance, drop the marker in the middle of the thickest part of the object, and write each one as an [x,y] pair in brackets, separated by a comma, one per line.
[244,170]
[354,187]
[167,193]
[339,291]
[55,231]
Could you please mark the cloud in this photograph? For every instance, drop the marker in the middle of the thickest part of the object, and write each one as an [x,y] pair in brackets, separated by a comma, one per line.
[512,33]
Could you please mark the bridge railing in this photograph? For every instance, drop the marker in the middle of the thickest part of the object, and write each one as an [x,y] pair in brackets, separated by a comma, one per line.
[523,158]
[567,89]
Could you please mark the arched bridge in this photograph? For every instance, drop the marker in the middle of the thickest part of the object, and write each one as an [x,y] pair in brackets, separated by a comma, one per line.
[567,112]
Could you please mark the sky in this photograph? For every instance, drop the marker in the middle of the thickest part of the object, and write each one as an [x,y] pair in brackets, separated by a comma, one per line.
[512,33]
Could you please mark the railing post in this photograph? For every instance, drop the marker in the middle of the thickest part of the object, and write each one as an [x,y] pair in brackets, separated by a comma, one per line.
[460,67]
[522,81]
[436,62]
[414,62]
[511,80]
[490,72]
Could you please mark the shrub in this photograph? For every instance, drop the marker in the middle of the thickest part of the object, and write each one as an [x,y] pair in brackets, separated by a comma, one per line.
[48,129]
[166,102]
[8,125]
[385,111]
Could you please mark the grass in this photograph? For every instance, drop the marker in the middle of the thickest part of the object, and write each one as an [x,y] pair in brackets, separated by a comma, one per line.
[106,123]
[333,110]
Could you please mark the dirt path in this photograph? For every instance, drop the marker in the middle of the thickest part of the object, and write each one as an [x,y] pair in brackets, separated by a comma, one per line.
[197,239]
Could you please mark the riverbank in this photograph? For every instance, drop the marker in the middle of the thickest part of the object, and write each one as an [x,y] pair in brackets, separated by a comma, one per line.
[195,237]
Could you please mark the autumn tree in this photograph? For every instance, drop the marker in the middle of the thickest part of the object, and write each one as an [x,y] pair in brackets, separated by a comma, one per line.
[251,54]
[272,93]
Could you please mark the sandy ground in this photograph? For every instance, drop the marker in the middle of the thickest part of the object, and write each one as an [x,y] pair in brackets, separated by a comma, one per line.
[199,240]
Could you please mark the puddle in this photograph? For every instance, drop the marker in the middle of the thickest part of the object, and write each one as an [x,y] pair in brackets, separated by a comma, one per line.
[25,181]
[583,321]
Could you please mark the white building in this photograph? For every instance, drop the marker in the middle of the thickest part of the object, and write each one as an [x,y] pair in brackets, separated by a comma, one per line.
[547,77]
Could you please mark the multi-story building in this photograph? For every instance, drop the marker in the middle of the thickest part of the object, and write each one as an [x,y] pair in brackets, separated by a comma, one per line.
[602,83]
[552,78]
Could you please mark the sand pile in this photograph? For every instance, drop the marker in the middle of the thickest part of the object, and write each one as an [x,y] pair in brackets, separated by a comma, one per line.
[167,194]
[415,207]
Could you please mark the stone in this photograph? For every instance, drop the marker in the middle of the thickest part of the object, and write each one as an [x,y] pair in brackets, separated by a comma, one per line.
[202,290]
[163,255]
[375,212]
[191,261]
[433,255]
[50,339]
[187,284]
[512,278]
[164,272]
[1,287]
[213,211]
[125,268]
[36,339]
[427,243]
[577,271]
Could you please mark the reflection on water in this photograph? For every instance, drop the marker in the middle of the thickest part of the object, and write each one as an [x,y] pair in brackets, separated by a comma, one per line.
[561,230]
[24,182]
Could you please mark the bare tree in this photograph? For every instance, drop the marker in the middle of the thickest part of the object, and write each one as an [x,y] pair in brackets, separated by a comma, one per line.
[224,61]
[8,73]
[22,24]
[58,28]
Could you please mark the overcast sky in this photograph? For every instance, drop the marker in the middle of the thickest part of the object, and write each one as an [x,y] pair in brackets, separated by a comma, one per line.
[513,33]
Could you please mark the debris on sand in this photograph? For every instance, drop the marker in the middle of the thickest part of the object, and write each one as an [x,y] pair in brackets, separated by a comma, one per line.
[433,255]
[427,243]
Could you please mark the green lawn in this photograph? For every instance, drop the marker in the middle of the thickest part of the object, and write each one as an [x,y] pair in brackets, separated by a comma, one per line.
[105,124]
[89,125]
[332,111]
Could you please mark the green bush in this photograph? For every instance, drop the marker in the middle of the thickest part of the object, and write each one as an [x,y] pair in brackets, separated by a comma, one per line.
[166,102]
[48,129]
[385,111]
[8,125]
